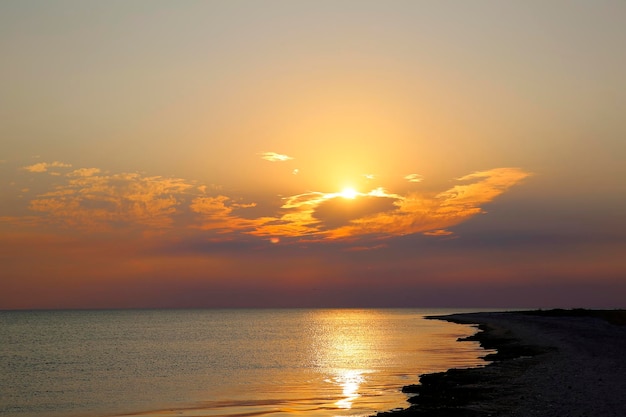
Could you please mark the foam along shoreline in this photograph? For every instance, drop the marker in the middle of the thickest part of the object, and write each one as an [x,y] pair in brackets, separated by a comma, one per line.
[552,363]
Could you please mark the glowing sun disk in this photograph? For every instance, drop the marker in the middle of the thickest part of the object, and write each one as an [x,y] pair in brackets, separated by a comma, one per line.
[349,192]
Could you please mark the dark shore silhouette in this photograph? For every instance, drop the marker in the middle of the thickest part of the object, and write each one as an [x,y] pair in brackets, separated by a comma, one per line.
[549,363]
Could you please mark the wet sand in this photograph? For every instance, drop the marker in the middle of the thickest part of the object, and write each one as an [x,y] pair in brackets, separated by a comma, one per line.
[557,363]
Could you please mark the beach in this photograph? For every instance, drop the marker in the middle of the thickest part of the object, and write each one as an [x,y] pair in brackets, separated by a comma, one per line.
[566,363]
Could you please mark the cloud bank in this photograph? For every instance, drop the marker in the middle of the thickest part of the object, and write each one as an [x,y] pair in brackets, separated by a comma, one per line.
[89,200]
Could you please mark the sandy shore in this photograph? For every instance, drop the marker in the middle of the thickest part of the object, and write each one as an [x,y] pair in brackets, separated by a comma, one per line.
[552,364]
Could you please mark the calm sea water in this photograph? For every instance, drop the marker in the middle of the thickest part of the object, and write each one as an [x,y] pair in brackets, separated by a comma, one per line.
[323,363]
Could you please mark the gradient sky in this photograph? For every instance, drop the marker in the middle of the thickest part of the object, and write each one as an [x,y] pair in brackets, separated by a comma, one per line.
[312,153]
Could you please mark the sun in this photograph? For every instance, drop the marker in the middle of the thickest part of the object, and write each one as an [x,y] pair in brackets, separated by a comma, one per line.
[349,192]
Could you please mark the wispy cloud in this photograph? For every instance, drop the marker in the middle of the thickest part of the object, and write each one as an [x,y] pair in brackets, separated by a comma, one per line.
[84,172]
[414,178]
[438,232]
[45,166]
[274,157]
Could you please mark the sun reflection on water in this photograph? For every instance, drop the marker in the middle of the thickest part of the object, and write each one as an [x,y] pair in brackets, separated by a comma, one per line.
[349,380]
[345,350]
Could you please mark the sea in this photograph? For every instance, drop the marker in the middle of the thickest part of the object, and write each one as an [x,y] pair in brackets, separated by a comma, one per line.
[234,362]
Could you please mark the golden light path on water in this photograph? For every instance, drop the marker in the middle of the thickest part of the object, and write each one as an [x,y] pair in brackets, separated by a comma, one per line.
[333,363]
[341,346]
[350,381]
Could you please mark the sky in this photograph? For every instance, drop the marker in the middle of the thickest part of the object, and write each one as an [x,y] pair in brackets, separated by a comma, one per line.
[162,154]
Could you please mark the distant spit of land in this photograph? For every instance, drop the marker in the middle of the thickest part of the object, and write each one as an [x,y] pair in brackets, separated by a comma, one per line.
[549,363]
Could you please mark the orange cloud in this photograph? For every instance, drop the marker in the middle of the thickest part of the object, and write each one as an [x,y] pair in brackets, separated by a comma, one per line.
[217,213]
[311,214]
[101,202]
[274,157]
[414,178]
[84,172]
[438,232]
[381,213]
[417,213]
[44,166]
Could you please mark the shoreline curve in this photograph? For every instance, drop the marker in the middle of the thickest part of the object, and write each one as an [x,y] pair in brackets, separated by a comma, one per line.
[547,363]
